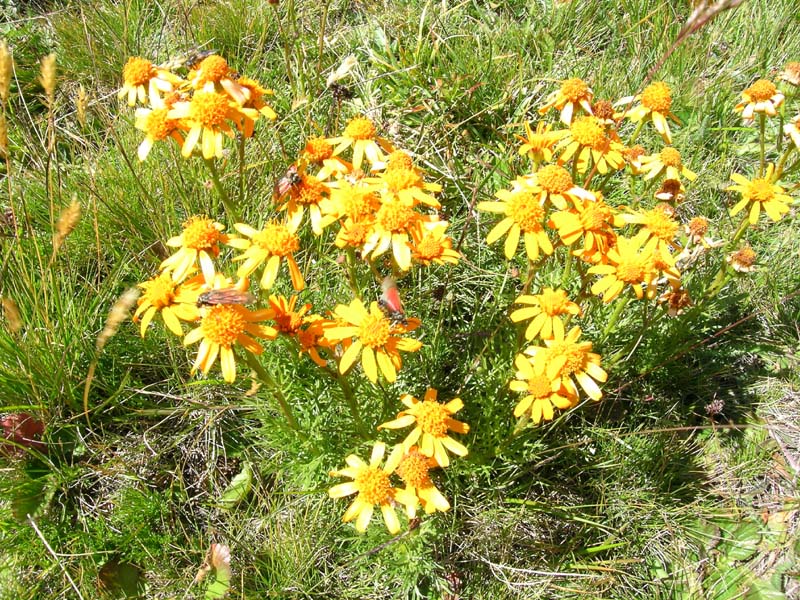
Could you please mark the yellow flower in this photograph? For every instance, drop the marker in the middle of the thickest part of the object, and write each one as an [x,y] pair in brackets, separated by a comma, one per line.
[157,127]
[433,422]
[145,82]
[626,266]
[175,302]
[311,337]
[430,244]
[792,129]
[543,393]
[374,337]
[405,185]
[676,299]
[761,97]
[656,102]
[633,156]
[199,242]
[588,142]
[213,74]
[667,162]
[556,186]
[254,93]
[394,220]
[539,146]
[742,260]
[573,94]
[353,233]
[288,320]
[544,309]
[658,223]
[594,221]
[308,192]
[221,327]
[361,135]
[316,151]
[524,215]
[413,469]
[566,358]
[356,200]
[763,194]
[206,116]
[372,485]
[273,243]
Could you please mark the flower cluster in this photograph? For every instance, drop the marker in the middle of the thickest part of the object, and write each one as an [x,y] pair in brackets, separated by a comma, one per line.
[410,462]
[196,101]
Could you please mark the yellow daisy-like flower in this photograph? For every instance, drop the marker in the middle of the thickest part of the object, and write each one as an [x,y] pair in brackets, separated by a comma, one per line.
[656,102]
[542,393]
[145,82]
[433,422]
[763,194]
[633,156]
[254,93]
[538,146]
[594,220]
[354,234]
[792,129]
[761,97]
[676,299]
[556,186]
[589,143]
[206,116]
[566,358]
[287,319]
[222,326]
[659,223]
[311,337]
[373,486]
[275,242]
[199,242]
[157,126]
[374,337]
[316,151]
[544,309]
[573,94]
[394,221]
[430,244]
[360,133]
[355,200]
[627,265]
[791,73]
[667,162]
[742,260]
[405,185]
[413,469]
[308,193]
[524,215]
[175,302]
[604,111]
[212,74]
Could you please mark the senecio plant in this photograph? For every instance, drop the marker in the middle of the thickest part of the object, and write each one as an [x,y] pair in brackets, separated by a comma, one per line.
[379,206]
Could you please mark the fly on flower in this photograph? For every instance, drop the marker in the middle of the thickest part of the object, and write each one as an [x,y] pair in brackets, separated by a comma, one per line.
[390,302]
[225,296]
[288,182]
[195,56]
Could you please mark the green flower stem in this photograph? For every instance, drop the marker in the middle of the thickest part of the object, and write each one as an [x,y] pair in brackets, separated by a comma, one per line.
[352,404]
[266,378]
[352,275]
[230,209]
[762,123]
[782,161]
[723,275]
[567,268]
[636,132]
[620,305]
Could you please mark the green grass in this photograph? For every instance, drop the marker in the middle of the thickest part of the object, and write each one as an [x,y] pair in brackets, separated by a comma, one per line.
[642,495]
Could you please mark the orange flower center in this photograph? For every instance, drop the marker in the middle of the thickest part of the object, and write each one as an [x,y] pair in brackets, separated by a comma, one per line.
[277,240]
[671,157]
[698,227]
[307,338]
[213,68]
[373,485]
[287,321]
[360,128]
[554,302]
[760,190]
[660,224]
[574,89]
[525,210]
[400,160]
[399,178]
[574,353]
[539,386]
[310,191]
[430,247]
[157,126]
[160,292]
[413,470]
[356,202]
[634,152]
[744,257]
[355,233]
[200,233]
[657,97]
[209,108]
[223,323]
[631,268]
[554,179]
[432,418]
[588,131]
[603,109]
[395,217]
[594,216]
[138,71]
[318,149]
[374,331]
[761,90]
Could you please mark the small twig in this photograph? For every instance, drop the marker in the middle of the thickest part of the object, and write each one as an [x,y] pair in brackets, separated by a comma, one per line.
[54,555]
